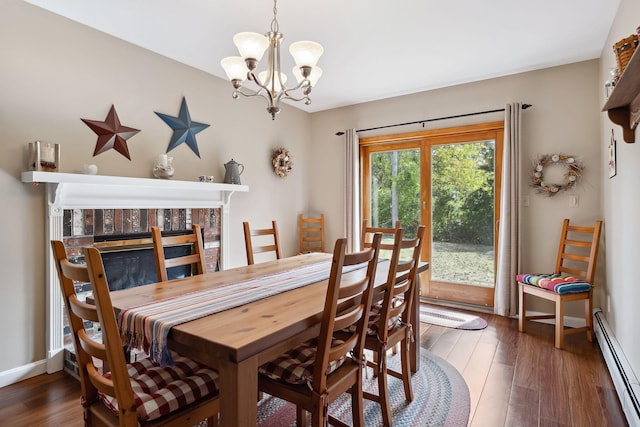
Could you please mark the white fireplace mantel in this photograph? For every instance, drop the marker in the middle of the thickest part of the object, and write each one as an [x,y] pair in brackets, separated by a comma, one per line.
[71,191]
[79,191]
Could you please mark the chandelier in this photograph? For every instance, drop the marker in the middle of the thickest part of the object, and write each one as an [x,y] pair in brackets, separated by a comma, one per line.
[271,82]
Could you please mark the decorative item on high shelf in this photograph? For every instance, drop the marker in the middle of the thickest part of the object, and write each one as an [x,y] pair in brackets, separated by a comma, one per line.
[89,169]
[573,169]
[163,167]
[624,50]
[611,82]
[232,172]
[282,162]
[44,156]
[612,156]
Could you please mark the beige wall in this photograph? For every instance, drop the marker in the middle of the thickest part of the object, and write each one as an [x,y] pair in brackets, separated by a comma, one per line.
[54,72]
[621,207]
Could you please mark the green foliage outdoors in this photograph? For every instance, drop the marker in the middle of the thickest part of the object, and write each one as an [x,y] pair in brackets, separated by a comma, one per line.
[399,171]
[462,190]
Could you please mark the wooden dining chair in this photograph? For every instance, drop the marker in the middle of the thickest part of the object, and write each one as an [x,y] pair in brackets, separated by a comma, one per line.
[261,240]
[311,232]
[389,320]
[572,280]
[195,259]
[134,394]
[314,374]
[367,232]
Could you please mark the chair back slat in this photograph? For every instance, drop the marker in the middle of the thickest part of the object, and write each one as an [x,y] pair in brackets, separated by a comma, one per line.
[267,240]
[83,310]
[196,259]
[91,346]
[574,257]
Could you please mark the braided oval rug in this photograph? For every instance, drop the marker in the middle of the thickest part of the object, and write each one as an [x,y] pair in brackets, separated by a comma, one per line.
[441,399]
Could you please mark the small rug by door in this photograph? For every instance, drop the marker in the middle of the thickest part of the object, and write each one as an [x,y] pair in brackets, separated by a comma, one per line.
[440,399]
[451,319]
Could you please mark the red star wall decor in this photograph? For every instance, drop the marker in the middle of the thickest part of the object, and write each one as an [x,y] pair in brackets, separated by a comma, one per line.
[111,134]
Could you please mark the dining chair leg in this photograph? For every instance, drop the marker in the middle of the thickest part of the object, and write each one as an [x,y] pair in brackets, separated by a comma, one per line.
[383,392]
[376,362]
[522,317]
[357,403]
[301,416]
[405,358]
[212,422]
[588,308]
[319,418]
[559,324]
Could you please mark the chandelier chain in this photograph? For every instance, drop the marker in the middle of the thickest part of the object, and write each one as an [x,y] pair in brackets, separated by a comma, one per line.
[275,28]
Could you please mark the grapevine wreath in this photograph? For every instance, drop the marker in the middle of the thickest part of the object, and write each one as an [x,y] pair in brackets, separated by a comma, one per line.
[282,163]
[573,169]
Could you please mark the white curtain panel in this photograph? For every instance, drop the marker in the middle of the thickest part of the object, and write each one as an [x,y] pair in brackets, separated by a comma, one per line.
[506,290]
[352,186]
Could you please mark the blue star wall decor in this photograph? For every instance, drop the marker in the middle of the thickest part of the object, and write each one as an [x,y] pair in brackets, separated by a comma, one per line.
[184,129]
[111,134]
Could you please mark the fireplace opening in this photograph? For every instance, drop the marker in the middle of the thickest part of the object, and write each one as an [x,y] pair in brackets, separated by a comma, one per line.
[129,260]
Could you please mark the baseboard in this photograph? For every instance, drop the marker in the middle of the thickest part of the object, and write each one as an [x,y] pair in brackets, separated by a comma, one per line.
[21,373]
[624,379]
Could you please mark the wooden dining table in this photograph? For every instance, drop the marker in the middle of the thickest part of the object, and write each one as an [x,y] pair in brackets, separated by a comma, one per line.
[237,341]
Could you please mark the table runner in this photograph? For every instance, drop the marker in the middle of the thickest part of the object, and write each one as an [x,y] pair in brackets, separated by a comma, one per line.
[147,326]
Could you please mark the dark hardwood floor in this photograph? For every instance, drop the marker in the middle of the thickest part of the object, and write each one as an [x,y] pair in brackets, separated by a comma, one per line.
[514,379]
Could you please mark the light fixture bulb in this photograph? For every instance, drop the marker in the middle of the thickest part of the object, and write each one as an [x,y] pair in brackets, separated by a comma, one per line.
[251,45]
[306,53]
[265,76]
[235,67]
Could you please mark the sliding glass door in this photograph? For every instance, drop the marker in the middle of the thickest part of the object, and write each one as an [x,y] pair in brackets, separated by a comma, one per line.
[448,180]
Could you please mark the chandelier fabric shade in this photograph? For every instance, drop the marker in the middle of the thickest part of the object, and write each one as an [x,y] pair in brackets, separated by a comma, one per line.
[271,82]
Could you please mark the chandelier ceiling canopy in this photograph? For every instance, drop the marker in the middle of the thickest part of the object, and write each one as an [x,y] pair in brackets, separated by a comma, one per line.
[271,82]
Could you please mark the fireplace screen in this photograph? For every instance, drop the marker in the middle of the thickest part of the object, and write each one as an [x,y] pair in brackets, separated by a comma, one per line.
[136,266]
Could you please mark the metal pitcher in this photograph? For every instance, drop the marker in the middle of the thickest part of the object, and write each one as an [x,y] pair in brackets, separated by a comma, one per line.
[232,172]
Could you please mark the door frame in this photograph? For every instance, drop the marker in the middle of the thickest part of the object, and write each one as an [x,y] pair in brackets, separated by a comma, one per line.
[424,140]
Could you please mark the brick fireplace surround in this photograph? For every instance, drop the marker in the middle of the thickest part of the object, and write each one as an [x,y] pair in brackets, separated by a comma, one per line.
[82,207]
[82,227]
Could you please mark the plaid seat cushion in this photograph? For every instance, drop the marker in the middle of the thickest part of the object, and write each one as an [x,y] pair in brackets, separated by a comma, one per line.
[558,283]
[160,391]
[374,319]
[296,366]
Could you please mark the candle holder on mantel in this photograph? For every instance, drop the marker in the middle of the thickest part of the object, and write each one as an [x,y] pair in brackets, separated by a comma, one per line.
[44,156]
[163,167]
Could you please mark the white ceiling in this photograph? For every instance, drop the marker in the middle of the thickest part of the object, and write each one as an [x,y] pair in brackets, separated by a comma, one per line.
[374,49]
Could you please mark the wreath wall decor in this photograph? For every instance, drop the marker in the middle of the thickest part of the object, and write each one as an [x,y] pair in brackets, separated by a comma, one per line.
[282,162]
[573,171]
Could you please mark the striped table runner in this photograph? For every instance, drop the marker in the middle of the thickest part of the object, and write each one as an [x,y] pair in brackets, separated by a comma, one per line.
[147,326]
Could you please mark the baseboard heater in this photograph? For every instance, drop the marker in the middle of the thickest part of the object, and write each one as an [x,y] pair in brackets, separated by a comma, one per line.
[624,379]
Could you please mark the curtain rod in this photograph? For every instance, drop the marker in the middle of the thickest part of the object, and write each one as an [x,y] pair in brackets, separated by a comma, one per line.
[524,107]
